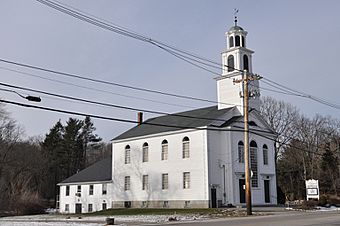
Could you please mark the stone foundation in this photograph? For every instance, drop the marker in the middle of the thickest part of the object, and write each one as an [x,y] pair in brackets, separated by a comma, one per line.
[162,204]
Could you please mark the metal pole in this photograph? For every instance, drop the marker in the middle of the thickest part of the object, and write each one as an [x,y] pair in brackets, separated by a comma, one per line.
[246,142]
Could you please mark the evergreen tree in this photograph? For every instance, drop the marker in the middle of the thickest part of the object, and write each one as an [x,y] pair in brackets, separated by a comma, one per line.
[73,145]
[89,138]
[52,146]
[329,171]
[65,150]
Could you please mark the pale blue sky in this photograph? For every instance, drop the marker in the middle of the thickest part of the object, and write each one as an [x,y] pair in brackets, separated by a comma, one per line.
[296,43]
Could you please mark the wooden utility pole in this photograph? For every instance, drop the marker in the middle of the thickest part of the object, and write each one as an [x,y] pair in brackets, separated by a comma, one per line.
[246,95]
[246,141]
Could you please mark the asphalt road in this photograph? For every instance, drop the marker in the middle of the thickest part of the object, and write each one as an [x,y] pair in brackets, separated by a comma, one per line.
[331,218]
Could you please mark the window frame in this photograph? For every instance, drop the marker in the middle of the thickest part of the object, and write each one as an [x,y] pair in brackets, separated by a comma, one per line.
[145,152]
[104,204]
[104,189]
[237,40]
[91,189]
[165,181]
[145,182]
[67,207]
[67,190]
[253,151]
[185,147]
[127,183]
[230,63]
[90,207]
[186,180]
[127,154]
[245,62]
[231,42]
[165,150]
[240,152]
[265,154]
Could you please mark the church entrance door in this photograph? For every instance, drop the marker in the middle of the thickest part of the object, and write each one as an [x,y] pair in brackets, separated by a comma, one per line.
[242,190]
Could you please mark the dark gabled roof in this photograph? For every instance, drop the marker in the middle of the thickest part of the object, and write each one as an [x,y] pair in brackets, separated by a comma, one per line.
[99,171]
[184,120]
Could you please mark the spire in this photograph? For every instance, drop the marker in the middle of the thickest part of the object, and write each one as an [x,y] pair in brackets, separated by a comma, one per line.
[235,16]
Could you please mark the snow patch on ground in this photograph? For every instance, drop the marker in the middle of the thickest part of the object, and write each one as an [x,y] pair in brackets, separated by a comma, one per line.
[58,220]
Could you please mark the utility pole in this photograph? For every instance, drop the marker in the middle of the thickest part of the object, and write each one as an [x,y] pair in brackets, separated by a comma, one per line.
[246,95]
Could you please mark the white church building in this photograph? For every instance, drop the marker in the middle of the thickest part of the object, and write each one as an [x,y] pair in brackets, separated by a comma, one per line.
[192,159]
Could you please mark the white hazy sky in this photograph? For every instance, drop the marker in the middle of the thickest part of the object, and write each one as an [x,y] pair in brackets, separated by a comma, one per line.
[296,43]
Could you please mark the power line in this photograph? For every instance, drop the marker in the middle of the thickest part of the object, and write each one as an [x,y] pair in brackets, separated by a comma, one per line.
[302,94]
[94,89]
[258,133]
[181,54]
[113,119]
[109,83]
[105,104]
[81,15]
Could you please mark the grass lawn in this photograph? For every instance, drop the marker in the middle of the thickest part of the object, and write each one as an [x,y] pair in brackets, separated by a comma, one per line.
[150,211]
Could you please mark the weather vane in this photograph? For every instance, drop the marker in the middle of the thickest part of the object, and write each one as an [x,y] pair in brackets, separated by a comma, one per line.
[235,16]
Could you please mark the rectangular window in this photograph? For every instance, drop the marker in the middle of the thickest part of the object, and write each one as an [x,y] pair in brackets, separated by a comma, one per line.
[164,152]
[265,156]
[145,204]
[145,154]
[90,208]
[127,183]
[166,204]
[104,206]
[186,180]
[145,182]
[79,188]
[67,190]
[67,207]
[127,156]
[104,189]
[240,153]
[91,189]
[253,166]
[165,181]
[186,151]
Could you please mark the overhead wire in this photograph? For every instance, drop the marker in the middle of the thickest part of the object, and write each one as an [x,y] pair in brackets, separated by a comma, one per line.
[258,133]
[94,89]
[183,55]
[105,104]
[76,13]
[109,83]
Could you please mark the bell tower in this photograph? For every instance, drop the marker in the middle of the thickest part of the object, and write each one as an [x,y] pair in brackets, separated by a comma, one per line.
[235,60]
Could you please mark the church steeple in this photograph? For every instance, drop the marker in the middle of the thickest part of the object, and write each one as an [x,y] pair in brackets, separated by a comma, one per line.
[235,60]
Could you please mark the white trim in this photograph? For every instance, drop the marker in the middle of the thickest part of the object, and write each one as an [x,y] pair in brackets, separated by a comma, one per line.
[85,183]
[158,134]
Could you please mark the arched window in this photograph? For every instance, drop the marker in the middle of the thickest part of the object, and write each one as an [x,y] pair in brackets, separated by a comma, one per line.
[186,147]
[245,62]
[164,155]
[127,159]
[231,64]
[231,41]
[237,40]
[253,164]
[240,148]
[243,42]
[145,152]
[265,154]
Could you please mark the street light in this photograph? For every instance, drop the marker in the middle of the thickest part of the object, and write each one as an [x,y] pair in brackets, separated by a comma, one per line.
[29,97]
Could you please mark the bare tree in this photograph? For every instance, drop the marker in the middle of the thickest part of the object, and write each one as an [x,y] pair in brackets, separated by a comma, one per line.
[282,117]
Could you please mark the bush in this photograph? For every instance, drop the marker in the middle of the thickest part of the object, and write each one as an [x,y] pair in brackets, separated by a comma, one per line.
[323,200]
[27,203]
